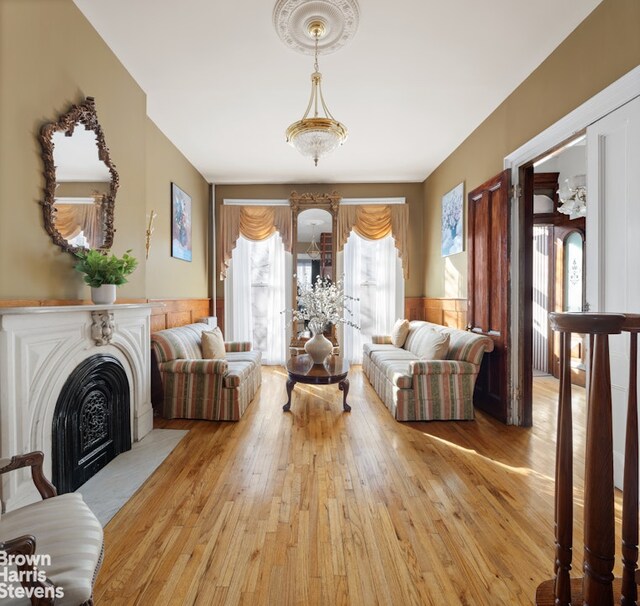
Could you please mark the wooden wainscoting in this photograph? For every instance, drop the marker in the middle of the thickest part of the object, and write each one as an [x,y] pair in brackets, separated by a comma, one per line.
[169,313]
[448,312]
[414,308]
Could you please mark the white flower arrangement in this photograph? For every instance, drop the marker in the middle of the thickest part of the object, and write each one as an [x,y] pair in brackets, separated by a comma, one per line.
[323,303]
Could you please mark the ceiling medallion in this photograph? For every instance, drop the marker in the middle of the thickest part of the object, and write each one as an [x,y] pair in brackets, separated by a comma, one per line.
[291,18]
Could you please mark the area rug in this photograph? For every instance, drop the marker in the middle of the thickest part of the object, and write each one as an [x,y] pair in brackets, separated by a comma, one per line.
[107,491]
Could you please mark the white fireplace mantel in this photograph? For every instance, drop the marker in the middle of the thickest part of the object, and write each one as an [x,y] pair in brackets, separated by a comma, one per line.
[39,348]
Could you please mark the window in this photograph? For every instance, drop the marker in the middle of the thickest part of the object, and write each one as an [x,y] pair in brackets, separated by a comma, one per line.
[373,275]
[255,291]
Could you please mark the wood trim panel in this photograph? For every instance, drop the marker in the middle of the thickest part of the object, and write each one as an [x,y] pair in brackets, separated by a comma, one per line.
[169,313]
[20,303]
[414,308]
[447,312]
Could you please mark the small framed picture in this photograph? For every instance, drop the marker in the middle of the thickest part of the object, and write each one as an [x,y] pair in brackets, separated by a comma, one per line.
[180,224]
[453,221]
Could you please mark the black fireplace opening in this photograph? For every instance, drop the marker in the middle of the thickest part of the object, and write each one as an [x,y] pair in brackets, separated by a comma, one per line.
[91,423]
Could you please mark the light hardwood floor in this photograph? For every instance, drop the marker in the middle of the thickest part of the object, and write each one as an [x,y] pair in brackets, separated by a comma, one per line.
[318,506]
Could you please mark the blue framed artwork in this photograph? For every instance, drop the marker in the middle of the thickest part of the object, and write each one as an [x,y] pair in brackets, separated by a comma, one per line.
[180,224]
[453,221]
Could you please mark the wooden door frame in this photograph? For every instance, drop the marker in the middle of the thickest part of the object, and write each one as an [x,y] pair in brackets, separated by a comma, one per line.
[616,94]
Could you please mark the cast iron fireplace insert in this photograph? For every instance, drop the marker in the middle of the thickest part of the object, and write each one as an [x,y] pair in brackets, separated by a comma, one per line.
[91,424]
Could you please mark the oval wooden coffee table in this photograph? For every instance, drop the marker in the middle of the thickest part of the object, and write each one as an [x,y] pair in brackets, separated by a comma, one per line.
[301,369]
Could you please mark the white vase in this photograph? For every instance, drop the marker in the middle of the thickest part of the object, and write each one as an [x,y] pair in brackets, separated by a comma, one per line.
[318,346]
[103,295]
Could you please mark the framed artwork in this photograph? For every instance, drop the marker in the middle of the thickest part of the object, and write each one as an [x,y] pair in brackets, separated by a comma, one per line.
[453,221]
[180,224]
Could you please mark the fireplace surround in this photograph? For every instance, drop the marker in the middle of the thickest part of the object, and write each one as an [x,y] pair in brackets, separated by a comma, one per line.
[40,348]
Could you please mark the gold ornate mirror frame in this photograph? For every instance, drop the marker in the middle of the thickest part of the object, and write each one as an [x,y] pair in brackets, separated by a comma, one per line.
[299,203]
[81,114]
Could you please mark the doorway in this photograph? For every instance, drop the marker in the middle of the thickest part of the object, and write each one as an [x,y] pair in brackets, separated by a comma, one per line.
[558,254]
[519,163]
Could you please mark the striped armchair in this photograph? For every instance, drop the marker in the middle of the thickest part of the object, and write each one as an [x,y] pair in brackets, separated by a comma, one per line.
[196,388]
[415,389]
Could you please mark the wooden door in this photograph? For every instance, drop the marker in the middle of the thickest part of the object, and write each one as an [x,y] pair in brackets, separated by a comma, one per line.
[488,271]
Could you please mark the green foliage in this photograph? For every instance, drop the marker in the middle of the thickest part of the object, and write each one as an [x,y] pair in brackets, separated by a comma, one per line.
[101,268]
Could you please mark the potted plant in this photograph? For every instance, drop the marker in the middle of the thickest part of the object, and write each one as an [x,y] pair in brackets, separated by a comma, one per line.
[103,272]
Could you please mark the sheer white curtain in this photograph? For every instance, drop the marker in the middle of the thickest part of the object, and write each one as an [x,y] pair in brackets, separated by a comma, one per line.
[373,274]
[255,293]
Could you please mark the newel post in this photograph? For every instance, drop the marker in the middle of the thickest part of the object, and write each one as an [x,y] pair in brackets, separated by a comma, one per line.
[599,516]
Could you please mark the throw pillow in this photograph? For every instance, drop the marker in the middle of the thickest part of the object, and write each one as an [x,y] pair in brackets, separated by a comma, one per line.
[213,344]
[433,345]
[399,332]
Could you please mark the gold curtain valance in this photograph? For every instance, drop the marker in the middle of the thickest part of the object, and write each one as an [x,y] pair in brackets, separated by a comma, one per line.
[375,222]
[71,219]
[254,223]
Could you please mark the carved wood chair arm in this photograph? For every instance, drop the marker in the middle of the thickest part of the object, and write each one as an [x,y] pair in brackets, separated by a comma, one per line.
[26,546]
[33,460]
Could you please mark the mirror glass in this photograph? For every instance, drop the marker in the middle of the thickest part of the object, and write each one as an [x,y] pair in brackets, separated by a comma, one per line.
[81,181]
[314,246]
[314,251]
[82,184]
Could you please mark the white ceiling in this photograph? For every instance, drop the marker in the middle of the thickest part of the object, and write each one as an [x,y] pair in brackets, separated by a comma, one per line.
[76,157]
[416,80]
[313,221]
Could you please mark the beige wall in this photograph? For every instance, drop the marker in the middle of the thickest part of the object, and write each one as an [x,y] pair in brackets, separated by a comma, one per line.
[50,58]
[411,191]
[168,277]
[82,189]
[601,50]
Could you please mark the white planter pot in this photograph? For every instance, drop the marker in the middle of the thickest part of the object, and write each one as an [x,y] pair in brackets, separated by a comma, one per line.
[103,295]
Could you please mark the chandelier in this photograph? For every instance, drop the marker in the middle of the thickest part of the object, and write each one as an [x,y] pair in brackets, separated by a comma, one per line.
[573,197]
[318,135]
[314,250]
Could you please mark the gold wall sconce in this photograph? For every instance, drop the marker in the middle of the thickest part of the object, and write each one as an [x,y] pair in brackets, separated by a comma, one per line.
[152,217]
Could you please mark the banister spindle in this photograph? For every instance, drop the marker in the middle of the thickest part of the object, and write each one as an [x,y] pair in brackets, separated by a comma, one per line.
[599,517]
[629,592]
[564,480]
[599,526]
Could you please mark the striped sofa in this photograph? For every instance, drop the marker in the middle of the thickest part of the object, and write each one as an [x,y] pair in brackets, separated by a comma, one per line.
[426,390]
[195,388]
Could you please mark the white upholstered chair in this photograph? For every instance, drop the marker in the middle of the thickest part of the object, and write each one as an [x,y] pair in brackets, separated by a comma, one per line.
[60,527]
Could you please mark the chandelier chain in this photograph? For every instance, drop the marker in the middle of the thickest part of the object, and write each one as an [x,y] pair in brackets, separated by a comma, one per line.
[315,66]
[316,136]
